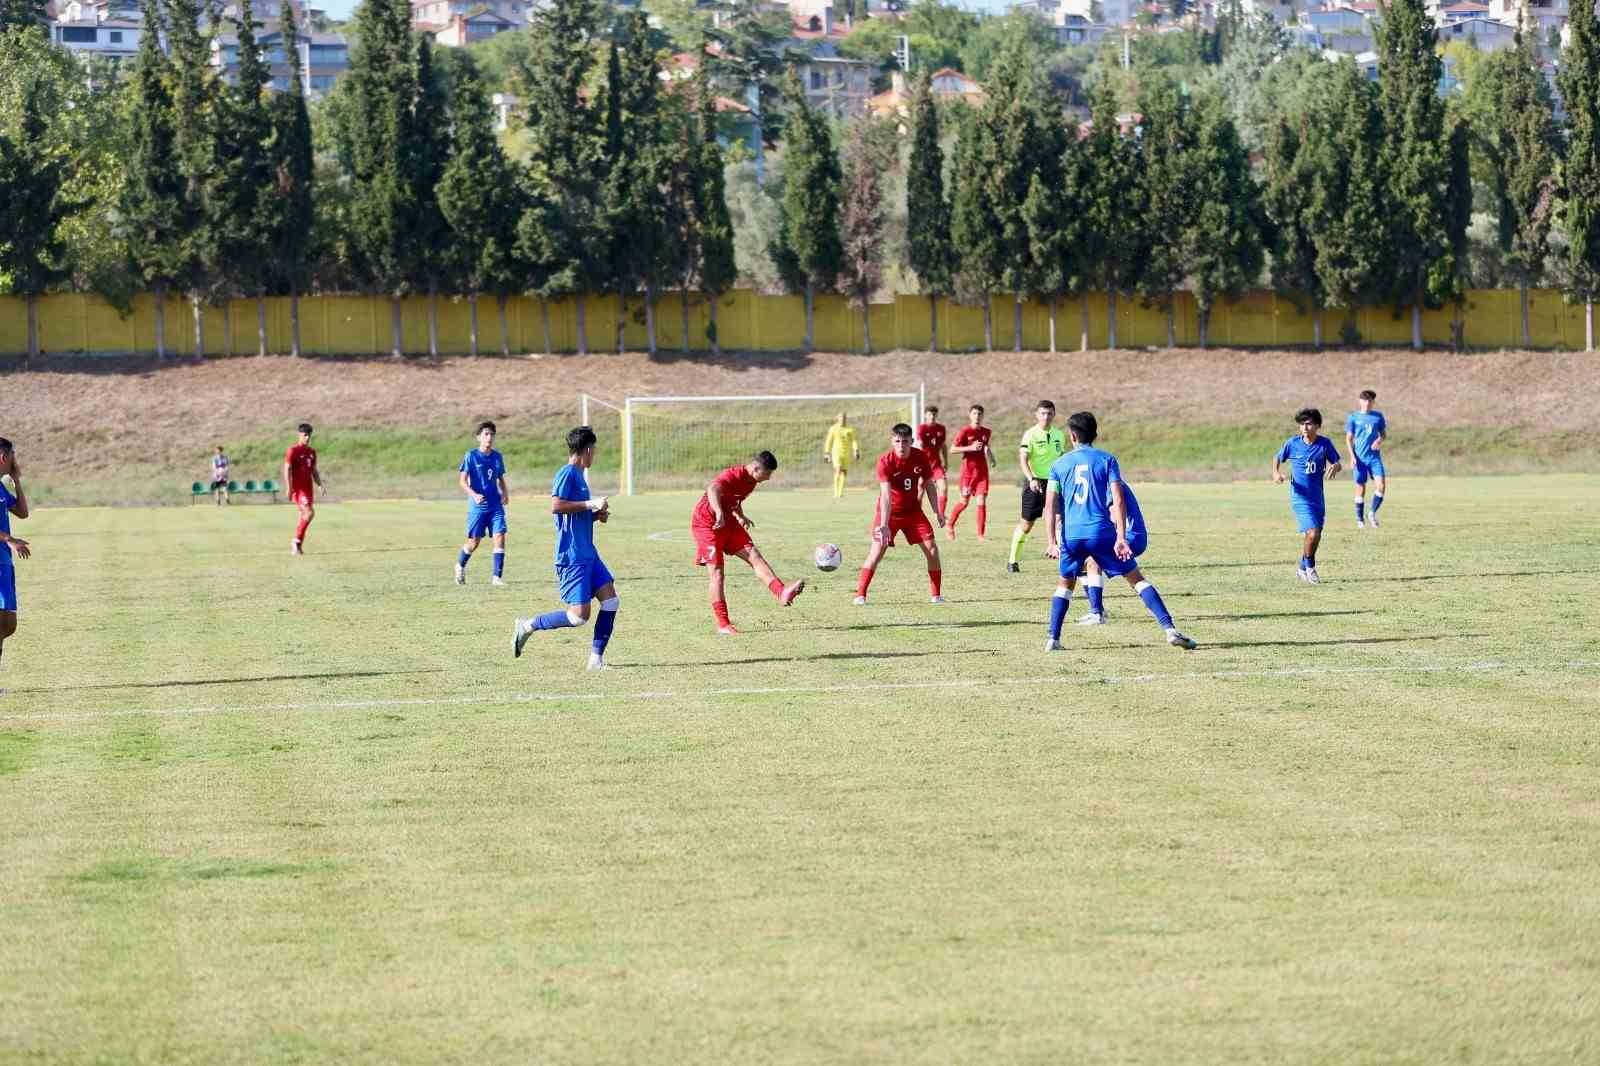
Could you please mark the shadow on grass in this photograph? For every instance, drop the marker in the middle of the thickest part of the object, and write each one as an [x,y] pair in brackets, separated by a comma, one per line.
[342,675]
[1334,643]
[1271,614]
[835,656]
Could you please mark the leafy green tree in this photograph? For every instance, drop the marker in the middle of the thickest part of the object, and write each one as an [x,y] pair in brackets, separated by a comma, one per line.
[565,156]
[239,198]
[1112,204]
[197,100]
[430,260]
[1168,203]
[1224,246]
[809,250]
[1419,257]
[153,204]
[291,215]
[928,249]
[1292,225]
[974,224]
[746,56]
[1526,146]
[865,162]
[23,15]
[480,195]
[1347,192]
[32,179]
[1458,221]
[1579,81]
[1054,214]
[713,225]
[1018,31]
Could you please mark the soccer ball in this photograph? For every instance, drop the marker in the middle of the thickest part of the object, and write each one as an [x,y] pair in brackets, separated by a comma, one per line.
[828,558]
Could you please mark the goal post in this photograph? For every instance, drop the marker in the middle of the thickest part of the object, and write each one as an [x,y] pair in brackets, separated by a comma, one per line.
[609,424]
[681,442]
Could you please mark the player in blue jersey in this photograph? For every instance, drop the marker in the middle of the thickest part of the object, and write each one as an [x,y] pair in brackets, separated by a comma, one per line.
[1094,582]
[13,502]
[483,479]
[1312,459]
[1364,434]
[579,570]
[1091,522]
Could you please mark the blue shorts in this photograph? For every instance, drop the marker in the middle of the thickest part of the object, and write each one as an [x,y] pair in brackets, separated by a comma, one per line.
[485,521]
[580,580]
[1309,516]
[1075,551]
[8,587]
[1364,470]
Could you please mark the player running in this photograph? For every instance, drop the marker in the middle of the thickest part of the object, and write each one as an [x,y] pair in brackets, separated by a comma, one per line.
[931,440]
[301,475]
[579,570]
[13,502]
[219,477]
[1312,459]
[902,478]
[1093,524]
[839,447]
[1364,433]
[720,529]
[1041,446]
[972,441]
[483,479]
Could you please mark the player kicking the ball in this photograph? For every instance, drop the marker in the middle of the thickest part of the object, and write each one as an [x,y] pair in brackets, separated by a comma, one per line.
[903,477]
[579,570]
[720,528]
[972,441]
[1092,523]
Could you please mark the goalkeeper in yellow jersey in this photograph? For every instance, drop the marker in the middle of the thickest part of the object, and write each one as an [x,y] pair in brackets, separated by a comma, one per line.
[839,447]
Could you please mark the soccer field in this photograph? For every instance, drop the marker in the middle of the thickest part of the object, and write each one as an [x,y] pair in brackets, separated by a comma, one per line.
[269,809]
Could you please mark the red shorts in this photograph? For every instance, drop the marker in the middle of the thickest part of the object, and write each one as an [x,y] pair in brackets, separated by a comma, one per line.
[915,526]
[937,474]
[975,482]
[710,545]
[301,494]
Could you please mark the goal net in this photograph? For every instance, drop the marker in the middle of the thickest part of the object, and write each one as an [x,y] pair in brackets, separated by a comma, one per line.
[681,442]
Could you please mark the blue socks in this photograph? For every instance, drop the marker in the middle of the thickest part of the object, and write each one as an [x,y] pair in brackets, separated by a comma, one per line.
[1094,587]
[1361,508]
[603,625]
[463,557]
[1377,501]
[499,563]
[554,620]
[1152,601]
[1058,611]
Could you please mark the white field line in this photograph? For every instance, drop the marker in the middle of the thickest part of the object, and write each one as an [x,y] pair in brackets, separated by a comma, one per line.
[1480,667]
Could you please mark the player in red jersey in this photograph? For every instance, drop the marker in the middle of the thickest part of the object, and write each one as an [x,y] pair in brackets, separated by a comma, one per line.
[300,474]
[972,441]
[720,529]
[902,471]
[931,440]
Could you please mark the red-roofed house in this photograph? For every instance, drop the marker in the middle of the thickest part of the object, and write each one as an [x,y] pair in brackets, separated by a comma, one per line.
[479,25]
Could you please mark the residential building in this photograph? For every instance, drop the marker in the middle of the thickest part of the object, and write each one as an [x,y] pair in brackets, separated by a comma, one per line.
[1466,9]
[1549,14]
[324,58]
[1489,35]
[1334,20]
[113,40]
[480,25]
[946,84]
[431,16]
[833,82]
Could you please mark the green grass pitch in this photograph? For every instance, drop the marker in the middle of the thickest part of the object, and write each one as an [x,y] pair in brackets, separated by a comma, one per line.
[255,808]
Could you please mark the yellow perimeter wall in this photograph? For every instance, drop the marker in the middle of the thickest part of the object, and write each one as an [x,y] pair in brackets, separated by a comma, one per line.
[359,325]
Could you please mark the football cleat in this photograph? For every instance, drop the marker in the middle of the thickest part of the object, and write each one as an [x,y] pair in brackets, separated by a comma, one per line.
[498,581]
[1178,640]
[1372,520]
[597,663]
[860,601]
[1051,644]
[1092,619]
[937,600]
[1310,574]
[786,597]
[1013,568]
[461,575]
[1360,524]
[519,636]
[729,630]
[1301,574]
[294,549]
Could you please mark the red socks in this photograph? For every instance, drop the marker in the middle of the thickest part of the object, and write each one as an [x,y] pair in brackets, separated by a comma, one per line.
[720,609]
[983,518]
[961,505]
[300,530]
[944,499]
[775,587]
[933,580]
[861,585]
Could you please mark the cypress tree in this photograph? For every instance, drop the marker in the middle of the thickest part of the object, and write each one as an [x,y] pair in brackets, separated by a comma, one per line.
[1025,147]
[1287,202]
[1525,136]
[1347,192]
[1168,172]
[23,15]
[1223,243]
[1057,237]
[239,198]
[1415,159]
[195,121]
[292,161]
[1579,81]
[808,240]
[863,221]
[1458,221]
[381,90]
[1111,203]
[928,249]
[565,155]
[153,194]
[430,259]
[480,195]
[32,255]
[718,270]
[974,228]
